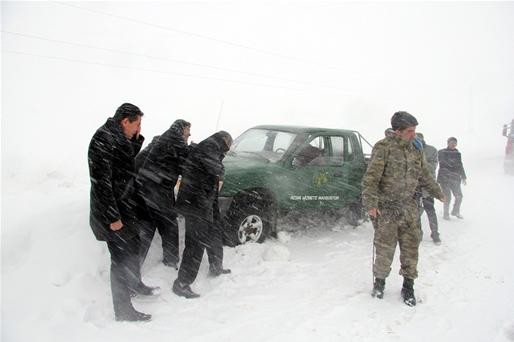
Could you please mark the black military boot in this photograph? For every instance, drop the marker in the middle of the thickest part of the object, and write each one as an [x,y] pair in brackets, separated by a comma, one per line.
[183,290]
[408,292]
[378,288]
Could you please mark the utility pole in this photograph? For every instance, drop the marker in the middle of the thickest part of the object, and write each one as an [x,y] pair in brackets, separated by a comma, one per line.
[219,116]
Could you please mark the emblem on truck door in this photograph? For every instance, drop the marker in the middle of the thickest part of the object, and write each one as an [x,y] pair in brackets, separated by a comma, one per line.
[321,179]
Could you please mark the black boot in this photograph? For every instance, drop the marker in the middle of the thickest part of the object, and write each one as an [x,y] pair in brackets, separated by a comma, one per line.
[378,288]
[130,314]
[408,292]
[217,271]
[436,239]
[183,290]
[145,290]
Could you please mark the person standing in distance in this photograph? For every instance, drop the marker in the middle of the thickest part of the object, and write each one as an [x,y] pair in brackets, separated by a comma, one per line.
[451,174]
[395,170]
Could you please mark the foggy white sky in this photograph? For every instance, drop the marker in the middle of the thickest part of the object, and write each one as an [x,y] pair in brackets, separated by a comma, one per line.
[351,65]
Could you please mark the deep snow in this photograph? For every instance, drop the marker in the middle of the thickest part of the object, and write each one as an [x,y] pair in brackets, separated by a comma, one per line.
[66,68]
[312,283]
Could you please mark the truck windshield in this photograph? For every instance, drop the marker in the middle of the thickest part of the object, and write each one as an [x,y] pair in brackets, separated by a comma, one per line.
[263,143]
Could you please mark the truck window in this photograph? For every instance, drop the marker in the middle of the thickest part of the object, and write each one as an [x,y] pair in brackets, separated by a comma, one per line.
[251,141]
[262,143]
[340,151]
[257,140]
[318,142]
[312,153]
[349,148]
[336,154]
[282,141]
[338,148]
[327,150]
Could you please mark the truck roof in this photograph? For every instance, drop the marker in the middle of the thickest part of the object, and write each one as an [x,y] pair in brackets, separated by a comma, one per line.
[302,129]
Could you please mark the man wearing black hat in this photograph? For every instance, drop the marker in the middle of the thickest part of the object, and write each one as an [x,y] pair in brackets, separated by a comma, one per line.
[397,167]
[451,174]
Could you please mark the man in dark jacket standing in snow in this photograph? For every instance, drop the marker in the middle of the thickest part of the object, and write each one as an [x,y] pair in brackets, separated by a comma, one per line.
[159,166]
[197,200]
[451,174]
[114,205]
[427,201]
[394,172]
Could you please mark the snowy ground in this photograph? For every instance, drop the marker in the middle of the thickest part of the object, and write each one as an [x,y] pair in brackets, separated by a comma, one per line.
[309,285]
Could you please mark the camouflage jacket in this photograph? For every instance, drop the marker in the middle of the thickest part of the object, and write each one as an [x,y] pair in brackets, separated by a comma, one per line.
[394,172]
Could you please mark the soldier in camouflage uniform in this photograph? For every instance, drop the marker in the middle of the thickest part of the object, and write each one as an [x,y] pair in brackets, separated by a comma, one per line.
[396,169]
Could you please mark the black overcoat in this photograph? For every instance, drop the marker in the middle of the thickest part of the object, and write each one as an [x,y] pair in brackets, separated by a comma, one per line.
[451,169]
[160,166]
[203,170]
[112,173]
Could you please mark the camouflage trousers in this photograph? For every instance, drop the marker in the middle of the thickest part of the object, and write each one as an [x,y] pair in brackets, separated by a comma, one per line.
[400,226]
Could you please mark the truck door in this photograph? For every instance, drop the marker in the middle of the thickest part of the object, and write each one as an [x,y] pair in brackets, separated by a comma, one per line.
[307,174]
[346,167]
[326,172]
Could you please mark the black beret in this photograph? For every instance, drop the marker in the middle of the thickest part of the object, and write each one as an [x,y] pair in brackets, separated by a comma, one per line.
[402,120]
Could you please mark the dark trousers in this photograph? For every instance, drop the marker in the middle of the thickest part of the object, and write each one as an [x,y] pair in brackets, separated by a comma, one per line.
[125,272]
[159,206]
[449,187]
[428,207]
[200,234]
[165,221]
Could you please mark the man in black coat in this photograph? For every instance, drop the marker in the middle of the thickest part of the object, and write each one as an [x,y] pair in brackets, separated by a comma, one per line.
[114,205]
[197,200]
[451,174]
[425,200]
[159,166]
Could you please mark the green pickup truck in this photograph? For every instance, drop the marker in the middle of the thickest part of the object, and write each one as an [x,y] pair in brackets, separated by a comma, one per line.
[271,170]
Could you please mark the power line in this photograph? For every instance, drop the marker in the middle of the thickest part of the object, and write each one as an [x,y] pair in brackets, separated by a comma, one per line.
[205,37]
[151,70]
[305,83]
[153,57]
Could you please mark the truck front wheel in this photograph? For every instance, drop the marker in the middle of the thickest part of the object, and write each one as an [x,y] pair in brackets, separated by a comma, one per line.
[249,223]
